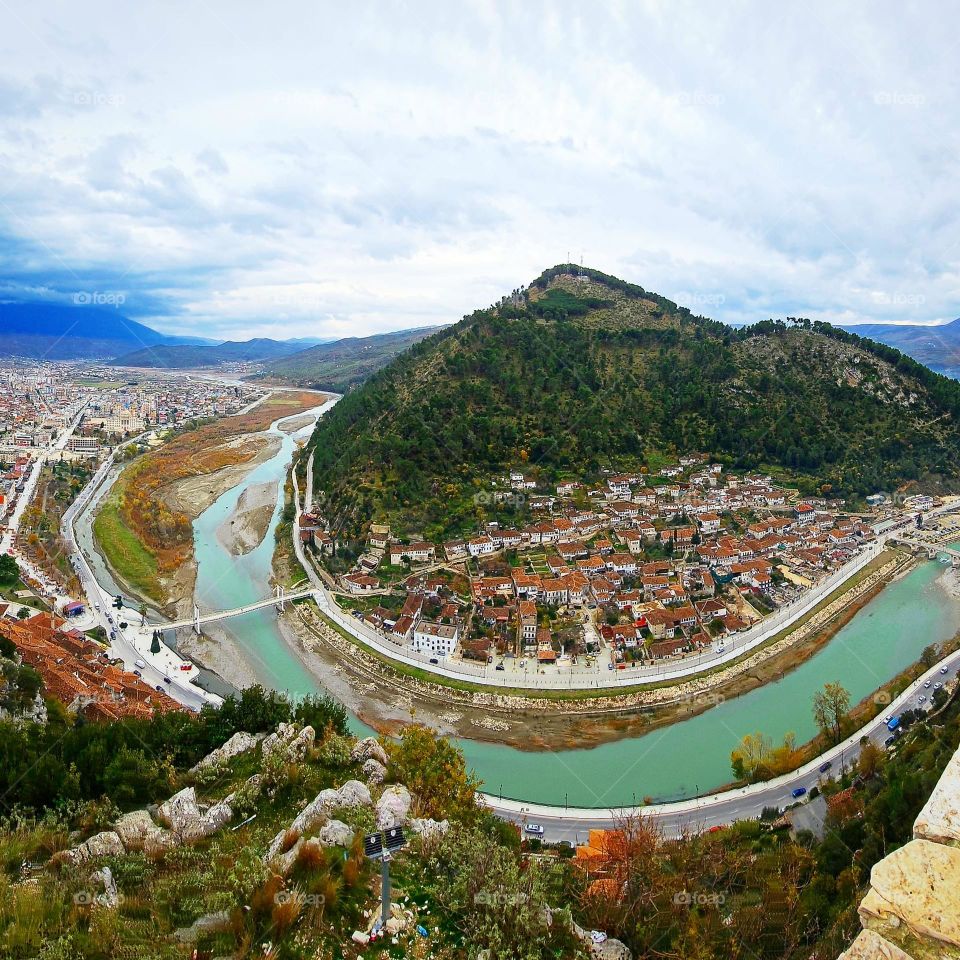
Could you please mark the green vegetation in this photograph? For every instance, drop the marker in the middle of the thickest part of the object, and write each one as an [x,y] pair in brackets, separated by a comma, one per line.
[127,555]
[573,376]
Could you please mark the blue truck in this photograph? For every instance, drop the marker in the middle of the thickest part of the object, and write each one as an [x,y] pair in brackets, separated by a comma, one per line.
[893,723]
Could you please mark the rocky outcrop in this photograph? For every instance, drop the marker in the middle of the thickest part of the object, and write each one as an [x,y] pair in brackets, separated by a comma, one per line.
[369,748]
[239,743]
[109,896]
[318,811]
[335,834]
[209,923]
[393,807]
[132,829]
[374,771]
[106,844]
[912,910]
[181,812]
[292,743]
[429,829]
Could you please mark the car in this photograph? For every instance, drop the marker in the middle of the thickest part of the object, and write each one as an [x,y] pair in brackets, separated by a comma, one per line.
[500,666]
[921,699]
[609,666]
[158,687]
[926,686]
[434,660]
[890,741]
[824,767]
[798,792]
[716,828]
[937,686]
[534,829]
[167,680]
[137,673]
[139,663]
[96,606]
[943,670]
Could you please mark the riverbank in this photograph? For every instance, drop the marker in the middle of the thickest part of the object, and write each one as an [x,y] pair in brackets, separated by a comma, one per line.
[387,699]
[143,529]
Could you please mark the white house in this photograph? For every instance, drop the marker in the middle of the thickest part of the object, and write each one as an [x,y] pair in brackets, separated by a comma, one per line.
[435,639]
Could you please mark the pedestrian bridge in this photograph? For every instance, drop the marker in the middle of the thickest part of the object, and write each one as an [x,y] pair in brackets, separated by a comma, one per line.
[932,550]
[279,600]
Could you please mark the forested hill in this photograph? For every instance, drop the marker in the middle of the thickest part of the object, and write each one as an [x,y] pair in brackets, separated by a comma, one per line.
[575,374]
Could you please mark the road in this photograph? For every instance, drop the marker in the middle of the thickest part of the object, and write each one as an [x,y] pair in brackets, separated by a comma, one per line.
[13,523]
[124,643]
[746,803]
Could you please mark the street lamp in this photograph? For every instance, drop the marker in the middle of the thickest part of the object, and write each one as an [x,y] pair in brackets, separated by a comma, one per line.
[381,846]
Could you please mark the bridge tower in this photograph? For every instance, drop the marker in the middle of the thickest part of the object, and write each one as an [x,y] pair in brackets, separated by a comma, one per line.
[278,592]
[196,619]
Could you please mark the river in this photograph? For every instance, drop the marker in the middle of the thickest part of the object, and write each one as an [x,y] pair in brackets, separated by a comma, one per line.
[677,761]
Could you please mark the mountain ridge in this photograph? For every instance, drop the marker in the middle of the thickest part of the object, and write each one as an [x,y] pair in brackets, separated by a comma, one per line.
[581,372]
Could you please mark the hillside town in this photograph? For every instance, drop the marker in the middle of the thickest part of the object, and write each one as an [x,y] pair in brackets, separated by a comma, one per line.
[636,568]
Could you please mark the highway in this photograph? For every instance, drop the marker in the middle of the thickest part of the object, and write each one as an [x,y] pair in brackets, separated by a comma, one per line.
[573,823]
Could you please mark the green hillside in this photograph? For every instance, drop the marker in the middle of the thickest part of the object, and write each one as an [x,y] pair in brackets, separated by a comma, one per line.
[576,374]
[342,365]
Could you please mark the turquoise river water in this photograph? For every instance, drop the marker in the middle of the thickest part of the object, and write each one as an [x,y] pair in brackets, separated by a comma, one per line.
[677,761]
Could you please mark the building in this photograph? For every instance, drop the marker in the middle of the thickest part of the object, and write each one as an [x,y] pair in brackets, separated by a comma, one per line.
[435,639]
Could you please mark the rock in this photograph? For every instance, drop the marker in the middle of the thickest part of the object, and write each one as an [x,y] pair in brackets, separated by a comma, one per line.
[209,923]
[239,743]
[289,741]
[354,794]
[393,807]
[219,815]
[316,812]
[939,819]
[133,827]
[110,897]
[393,926]
[359,937]
[611,950]
[917,886]
[335,834]
[430,829]
[106,844]
[180,813]
[158,841]
[283,864]
[871,946]
[374,771]
[369,748]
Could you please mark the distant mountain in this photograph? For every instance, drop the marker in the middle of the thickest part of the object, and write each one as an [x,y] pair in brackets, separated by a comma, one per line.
[581,372]
[936,346]
[342,364]
[187,357]
[55,331]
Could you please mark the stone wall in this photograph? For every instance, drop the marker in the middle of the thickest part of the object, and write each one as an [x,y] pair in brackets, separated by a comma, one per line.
[912,911]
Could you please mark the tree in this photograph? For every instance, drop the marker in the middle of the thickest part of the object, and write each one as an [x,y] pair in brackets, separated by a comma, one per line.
[750,756]
[930,655]
[9,572]
[830,706]
[23,613]
[436,774]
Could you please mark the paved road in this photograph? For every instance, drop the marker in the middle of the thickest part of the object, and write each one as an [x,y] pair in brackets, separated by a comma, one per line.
[718,809]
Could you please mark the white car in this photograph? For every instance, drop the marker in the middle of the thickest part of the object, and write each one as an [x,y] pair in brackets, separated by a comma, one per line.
[534,828]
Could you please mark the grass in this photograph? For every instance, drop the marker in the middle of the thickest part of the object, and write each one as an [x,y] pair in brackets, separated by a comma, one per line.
[125,552]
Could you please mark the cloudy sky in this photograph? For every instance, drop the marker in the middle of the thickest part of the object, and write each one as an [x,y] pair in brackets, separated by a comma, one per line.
[326,169]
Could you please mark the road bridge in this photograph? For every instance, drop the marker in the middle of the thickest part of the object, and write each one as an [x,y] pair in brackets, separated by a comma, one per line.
[279,600]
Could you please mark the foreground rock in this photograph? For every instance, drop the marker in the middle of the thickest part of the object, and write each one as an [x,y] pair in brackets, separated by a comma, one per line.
[133,829]
[239,743]
[106,844]
[393,807]
[369,748]
[290,742]
[430,829]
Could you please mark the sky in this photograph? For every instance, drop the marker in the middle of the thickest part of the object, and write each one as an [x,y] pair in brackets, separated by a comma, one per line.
[235,169]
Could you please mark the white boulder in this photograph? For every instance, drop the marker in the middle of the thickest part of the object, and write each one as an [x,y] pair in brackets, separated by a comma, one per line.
[374,771]
[181,813]
[429,829]
[369,748]
[354,794]
[393,807]
[335,834]
[239,743]
[106,844]
[132,828]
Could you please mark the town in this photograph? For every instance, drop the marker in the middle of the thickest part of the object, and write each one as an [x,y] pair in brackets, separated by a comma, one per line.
[635,569]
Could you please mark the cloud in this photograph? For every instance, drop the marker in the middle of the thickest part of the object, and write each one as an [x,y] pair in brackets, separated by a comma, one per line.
[326,172]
